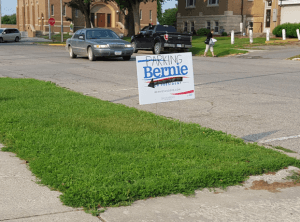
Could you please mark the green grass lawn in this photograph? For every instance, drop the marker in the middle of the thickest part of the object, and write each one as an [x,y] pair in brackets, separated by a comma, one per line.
[57,37]
[99,153]
[223,46]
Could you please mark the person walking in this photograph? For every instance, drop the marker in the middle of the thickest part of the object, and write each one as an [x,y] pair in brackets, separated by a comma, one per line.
[209,43]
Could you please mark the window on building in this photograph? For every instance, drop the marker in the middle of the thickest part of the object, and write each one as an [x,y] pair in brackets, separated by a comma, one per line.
[64,11]
[192,26]
[216,26]
[52,9]
[190,3]
[213,2]
[208,25]
[141,14]
[76,12]
[150,14]
[185,26]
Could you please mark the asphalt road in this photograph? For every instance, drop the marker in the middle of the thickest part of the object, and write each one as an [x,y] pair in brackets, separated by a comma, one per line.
[254,96]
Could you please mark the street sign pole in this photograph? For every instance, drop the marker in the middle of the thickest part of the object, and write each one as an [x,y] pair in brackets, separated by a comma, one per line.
[49,18]
[0,15]
[61,22]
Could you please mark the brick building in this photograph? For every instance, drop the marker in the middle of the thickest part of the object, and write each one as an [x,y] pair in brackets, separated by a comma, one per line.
[32,16]
[227,15]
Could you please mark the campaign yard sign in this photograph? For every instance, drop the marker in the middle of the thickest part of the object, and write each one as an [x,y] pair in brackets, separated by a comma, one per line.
[165,78]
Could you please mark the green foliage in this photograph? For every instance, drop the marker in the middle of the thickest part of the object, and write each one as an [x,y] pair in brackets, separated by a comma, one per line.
[295,177]
[290,29]
[223,46]
[203,32]
[159,12]
[9,19]
[101,154]
[284,149]
[224,33]
[169,17]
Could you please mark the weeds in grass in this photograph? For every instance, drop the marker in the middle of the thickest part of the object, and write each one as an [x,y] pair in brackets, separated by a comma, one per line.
[99,153]
[284,149]
[294,57]
[295,177]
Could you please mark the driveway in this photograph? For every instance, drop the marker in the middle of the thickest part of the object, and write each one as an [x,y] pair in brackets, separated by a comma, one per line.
[255,97]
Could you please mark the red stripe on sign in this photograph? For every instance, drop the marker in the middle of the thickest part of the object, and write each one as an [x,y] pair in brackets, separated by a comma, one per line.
[183,93]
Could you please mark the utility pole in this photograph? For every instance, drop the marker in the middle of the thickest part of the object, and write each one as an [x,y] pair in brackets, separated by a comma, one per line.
[61,22]
[0,15]
[49,18]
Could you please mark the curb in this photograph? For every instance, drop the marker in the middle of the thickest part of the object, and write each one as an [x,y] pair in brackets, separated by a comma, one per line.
[57,44]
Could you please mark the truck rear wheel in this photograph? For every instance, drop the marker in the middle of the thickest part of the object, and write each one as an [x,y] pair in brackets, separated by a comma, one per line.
[134,47]
[157,48]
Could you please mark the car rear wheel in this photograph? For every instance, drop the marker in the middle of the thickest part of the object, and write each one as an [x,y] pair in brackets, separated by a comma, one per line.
[17,39]
[134,47]
[72,55]
[157,48]
[126,58]
[91,54]
[1,40]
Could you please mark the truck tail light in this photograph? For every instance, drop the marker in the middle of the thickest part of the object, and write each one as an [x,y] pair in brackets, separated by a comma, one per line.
[191,38]
[166,36]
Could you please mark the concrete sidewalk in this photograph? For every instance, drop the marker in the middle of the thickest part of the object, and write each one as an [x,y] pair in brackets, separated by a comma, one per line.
[269,197]
[23,200]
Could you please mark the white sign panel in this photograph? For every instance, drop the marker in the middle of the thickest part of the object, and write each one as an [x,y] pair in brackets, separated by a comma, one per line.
[165,78]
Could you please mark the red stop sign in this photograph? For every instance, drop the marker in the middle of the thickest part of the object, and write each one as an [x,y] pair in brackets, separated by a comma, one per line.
[51,21]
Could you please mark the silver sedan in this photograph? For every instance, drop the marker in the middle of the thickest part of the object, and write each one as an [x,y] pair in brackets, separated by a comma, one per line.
[98,42]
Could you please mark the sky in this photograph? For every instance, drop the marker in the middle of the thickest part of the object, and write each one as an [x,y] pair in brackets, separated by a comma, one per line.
[8,7]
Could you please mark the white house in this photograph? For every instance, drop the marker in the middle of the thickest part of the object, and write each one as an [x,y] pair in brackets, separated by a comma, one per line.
[290,11]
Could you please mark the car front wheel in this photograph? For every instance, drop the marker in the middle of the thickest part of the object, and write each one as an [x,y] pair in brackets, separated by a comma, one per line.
[72,55]
[91,54]
[1,40]
[126,58]
[17,39]
[157,48]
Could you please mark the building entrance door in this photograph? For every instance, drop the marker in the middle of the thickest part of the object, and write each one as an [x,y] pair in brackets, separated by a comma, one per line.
[108,20]
[268,18]
[101,19]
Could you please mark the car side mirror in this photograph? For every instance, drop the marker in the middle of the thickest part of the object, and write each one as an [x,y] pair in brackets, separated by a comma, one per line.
[81,37]
[4,32]
[121,36]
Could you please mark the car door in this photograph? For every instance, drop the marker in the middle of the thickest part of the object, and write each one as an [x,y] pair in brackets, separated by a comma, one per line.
[74,41]
[11,35]
[6,35]
[81,43]
[148,38]
[140,38]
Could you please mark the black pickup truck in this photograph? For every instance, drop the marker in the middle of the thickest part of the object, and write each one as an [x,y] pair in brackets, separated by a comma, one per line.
[158,38]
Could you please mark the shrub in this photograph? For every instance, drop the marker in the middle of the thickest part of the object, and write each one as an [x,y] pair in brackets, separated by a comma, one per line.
[290,30]
[203,32]
[224,33]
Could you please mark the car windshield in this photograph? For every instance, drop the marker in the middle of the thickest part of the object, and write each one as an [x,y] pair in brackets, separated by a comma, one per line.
[101,34]
[1,30]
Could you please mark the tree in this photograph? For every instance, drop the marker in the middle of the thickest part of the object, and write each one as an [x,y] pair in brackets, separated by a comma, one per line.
[133,5]
[9,19]
[84,6]
[159,12]
[169,17]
